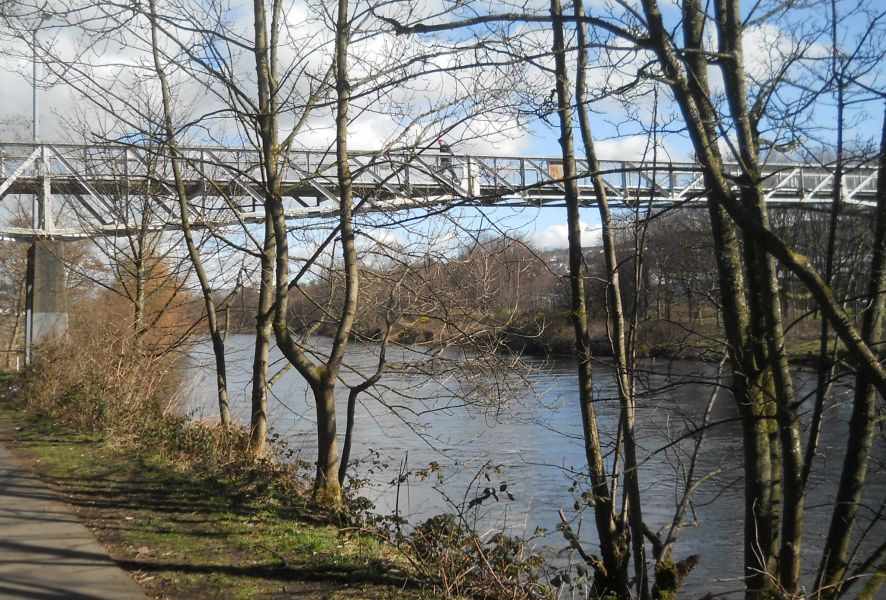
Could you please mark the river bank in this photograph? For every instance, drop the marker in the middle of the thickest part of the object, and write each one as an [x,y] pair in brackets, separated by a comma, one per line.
[184,529]
[551,334]
[532,443]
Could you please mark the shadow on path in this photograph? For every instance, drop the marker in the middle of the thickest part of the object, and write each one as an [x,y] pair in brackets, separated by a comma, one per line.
[45,552]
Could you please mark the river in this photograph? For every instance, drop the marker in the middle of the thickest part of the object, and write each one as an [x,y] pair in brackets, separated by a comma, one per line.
[534,442]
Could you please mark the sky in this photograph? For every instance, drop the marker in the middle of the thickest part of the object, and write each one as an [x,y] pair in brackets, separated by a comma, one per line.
[617,124]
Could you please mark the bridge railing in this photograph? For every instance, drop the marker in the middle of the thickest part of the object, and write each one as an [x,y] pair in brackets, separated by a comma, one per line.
[531,176]
[97,181]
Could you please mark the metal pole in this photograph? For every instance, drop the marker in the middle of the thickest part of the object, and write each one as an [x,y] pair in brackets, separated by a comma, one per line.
[35,122]
[35,112]
[29,305]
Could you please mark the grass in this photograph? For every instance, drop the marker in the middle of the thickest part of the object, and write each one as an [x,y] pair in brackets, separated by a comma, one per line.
[181,534]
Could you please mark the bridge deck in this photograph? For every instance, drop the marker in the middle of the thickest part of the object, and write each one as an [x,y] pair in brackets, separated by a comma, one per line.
[88,190]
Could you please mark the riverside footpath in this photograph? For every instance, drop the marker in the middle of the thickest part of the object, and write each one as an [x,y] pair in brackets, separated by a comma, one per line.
[45,552]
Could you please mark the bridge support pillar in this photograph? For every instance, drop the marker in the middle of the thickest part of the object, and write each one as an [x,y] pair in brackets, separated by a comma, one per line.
[47,295]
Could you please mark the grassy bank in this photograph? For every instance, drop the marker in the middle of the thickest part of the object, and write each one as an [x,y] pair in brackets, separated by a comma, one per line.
[186,531]
[192,513]
[552,334]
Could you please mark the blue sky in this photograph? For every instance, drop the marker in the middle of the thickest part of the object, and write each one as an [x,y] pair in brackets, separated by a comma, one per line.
[617,126]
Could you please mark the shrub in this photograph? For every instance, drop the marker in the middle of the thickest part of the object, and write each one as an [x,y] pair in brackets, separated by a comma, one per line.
[465,564]
[100,380]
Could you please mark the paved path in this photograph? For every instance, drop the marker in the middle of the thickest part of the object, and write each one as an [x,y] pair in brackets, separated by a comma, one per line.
[45,552]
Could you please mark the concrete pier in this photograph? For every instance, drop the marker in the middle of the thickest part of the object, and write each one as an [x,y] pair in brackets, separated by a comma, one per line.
[47,294]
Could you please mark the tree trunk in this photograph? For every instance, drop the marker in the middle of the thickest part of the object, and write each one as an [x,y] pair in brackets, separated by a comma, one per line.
[218,343]
[826,360]
[748,391]
[264,52]
[616,321]
[327,490]
[835,556]
[258,424]
[765,297]
[138,302]
[612,541]
[322,379]
[661,44]
[326,487]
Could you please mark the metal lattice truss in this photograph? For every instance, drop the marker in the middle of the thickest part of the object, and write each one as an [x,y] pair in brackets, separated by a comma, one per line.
[81,191]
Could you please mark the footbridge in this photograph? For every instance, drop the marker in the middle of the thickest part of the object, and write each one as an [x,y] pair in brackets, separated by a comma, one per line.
[52,193]
[79,191]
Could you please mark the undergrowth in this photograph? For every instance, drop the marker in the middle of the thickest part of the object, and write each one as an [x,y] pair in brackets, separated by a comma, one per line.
[125,391]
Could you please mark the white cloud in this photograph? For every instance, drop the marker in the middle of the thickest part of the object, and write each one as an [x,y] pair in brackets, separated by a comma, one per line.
[557,236]
[380,240]
[635,147]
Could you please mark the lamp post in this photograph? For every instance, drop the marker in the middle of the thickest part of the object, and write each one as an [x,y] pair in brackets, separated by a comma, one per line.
[35,113]
[38,205]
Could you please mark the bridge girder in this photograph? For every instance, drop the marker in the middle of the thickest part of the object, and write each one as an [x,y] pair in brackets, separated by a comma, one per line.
[104,190]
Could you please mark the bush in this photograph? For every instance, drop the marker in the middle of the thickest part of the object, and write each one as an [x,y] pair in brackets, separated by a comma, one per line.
[464,564]
[101,381]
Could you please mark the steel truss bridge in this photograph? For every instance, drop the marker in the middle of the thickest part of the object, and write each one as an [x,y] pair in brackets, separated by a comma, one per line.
[79,191]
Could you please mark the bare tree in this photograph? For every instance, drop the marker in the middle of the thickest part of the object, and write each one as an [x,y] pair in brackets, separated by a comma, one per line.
[773,454]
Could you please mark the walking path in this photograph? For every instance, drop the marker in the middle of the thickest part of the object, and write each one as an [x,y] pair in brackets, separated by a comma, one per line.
[45,552]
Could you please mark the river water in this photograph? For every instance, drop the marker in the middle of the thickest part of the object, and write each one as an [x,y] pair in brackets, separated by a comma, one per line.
[533,441]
